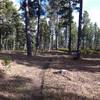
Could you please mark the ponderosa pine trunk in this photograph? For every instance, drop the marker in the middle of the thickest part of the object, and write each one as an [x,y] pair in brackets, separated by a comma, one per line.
[79,29]
[27,29]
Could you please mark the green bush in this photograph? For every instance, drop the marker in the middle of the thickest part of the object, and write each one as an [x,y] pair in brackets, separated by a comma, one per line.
[7,60]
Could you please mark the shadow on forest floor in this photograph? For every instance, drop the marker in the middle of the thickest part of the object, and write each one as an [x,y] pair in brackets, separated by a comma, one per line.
[89,63]
[64,96]
[22,88]
[16,88]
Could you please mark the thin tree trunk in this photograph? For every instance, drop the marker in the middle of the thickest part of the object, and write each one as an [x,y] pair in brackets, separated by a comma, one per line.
[83,41]
[70,38]
[50,43]
[56,33]
[69,42]
[95,44]
[56,39]
[51,38]
[65,43]
[0,43]
[17,47]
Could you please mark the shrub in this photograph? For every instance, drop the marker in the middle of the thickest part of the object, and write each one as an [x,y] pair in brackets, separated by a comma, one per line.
[7,60]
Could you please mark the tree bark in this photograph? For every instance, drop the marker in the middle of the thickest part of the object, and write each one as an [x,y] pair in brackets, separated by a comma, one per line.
[79,29]
[70,21]
[28,33]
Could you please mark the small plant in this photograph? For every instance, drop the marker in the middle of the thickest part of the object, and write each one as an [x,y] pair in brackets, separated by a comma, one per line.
[7,60]
[63,49]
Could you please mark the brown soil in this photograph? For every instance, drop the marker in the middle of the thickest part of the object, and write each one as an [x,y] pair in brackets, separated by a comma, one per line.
[41,78]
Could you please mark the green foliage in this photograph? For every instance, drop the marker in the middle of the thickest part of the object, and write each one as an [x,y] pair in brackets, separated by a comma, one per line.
[63,49]
[45,34]
[7,60]
[87,51]
[90,51]
[90,33]
[11,28]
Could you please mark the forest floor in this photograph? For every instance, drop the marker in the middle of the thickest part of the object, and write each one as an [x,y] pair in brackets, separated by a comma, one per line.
[50,77]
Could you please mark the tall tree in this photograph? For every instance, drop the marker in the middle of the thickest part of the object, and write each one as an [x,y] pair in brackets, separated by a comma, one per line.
[25,5]
[79,28]
[86,24]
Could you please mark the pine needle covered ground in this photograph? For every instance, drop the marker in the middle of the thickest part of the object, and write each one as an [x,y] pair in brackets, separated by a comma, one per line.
[50,77]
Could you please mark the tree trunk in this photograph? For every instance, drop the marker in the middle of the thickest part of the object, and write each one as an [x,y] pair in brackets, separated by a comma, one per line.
[70,38]
[28,33]
[65,43]
[79,29]
[17,45]
[95,44]
[51,38]
[56,39]
[56,31]
[83,41]
[38,30]
[0,43]
[70,21]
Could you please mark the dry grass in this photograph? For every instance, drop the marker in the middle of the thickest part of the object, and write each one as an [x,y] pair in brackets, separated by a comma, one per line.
[72,85]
